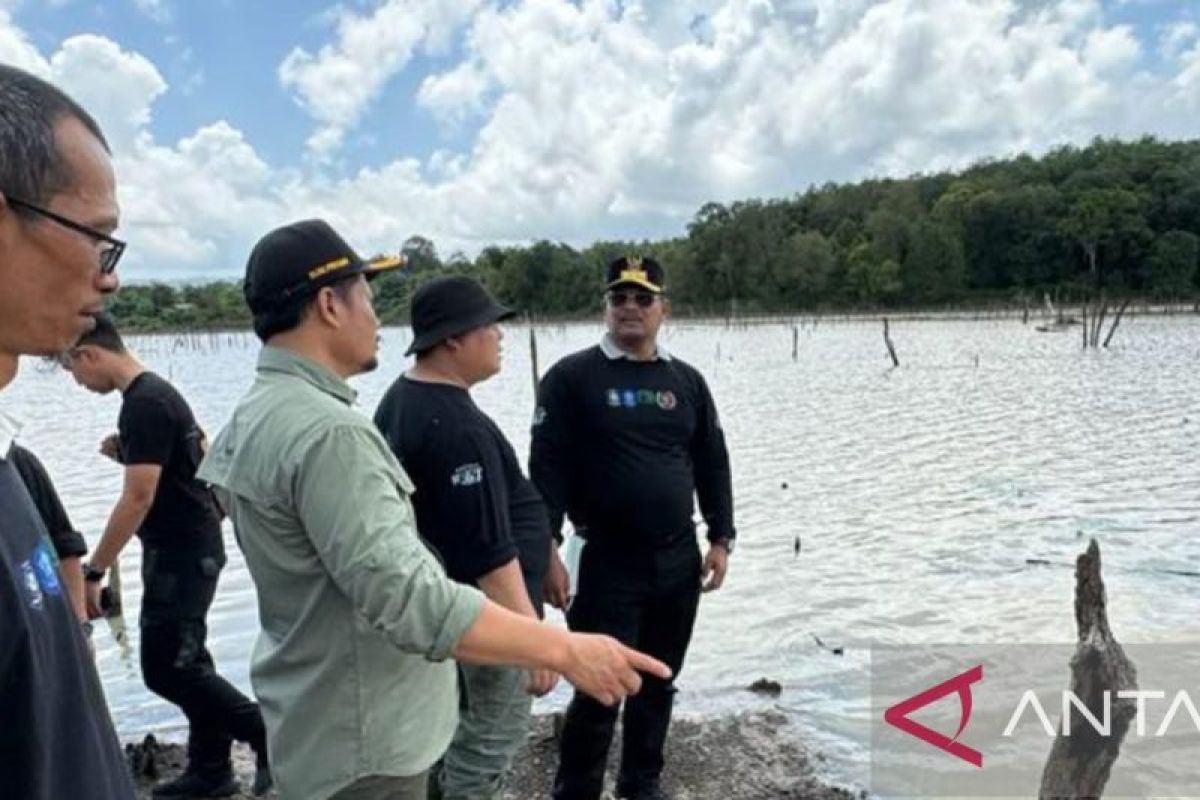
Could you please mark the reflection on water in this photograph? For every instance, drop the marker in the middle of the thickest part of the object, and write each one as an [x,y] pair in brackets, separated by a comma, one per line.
[917,494]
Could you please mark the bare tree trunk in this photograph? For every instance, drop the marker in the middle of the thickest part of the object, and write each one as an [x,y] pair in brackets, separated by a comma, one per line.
[1080,764]
[888,341]
[1116,322]
[795,342]
[1098,322]
[1083,313]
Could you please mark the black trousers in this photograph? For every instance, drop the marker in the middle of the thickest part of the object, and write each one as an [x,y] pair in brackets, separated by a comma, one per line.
[647,600]
[176,665]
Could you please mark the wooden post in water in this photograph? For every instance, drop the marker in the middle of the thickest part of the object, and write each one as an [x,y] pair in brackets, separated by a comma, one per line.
[1116,322]
[1080,764]
[533,356]
[887,339]
[795,342]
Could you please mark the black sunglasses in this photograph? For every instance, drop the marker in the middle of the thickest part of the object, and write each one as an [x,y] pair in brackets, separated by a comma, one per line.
[618,298]
[112,249]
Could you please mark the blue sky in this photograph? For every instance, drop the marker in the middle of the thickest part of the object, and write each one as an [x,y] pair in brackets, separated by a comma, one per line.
[473,122]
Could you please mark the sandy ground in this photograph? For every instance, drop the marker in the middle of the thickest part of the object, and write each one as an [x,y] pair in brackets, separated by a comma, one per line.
[750,756]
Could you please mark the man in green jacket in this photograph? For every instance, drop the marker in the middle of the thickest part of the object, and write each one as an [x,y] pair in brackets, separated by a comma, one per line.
[358,617]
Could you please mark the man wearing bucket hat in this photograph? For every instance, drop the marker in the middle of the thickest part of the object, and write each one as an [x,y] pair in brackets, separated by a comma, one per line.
[357,616]
[625,437]
[475,508]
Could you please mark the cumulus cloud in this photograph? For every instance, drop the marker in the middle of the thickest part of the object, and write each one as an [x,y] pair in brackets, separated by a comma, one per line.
[337,84]
[594,118]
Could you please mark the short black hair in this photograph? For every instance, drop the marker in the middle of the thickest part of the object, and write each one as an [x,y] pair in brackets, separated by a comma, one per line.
[103,335]
[287,316]
[31,167]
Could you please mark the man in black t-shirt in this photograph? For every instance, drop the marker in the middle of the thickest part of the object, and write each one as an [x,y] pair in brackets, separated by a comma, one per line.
[475,508]
[625,436]
[69,544]
[58,210]
[174,515]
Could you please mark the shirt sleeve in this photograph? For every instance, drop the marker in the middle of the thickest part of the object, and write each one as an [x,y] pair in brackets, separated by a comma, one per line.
[550,447]
[68,542]
[361,523]
[714,484]
[147,432]
[467,486]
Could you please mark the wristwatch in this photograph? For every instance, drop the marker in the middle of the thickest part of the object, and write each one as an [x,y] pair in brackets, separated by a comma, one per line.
[91,574]
[727,543]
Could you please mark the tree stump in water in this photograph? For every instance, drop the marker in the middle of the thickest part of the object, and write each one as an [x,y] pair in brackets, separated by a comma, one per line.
[1080,764]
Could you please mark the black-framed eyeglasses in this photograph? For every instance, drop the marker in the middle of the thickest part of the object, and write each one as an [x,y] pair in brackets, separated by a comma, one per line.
[619,297]
[110,250]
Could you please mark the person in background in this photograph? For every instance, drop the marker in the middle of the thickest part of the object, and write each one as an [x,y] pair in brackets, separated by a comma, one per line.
[358,617]
[58,211]
[160,446]
[625,437]
[475,508]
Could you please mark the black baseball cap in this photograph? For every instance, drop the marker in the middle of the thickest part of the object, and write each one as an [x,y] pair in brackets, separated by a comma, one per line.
[296,260]
[641,271]
[451,306]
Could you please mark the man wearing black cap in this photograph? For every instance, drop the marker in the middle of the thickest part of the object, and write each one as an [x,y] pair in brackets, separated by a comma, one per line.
[358,617]
[624,437]
[474,507]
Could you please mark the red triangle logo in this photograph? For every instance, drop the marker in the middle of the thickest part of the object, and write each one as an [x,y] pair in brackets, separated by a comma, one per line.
[897,715]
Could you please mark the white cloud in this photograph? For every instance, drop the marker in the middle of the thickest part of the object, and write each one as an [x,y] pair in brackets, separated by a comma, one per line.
[596,119]
[339,82]
[156,10]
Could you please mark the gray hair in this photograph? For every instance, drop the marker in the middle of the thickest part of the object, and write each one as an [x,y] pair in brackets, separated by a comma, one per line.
[31,167]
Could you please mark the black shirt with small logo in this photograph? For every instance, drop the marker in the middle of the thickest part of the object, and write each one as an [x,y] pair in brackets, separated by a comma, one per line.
[156,426]
[56,737]
[623,447]
[474,506]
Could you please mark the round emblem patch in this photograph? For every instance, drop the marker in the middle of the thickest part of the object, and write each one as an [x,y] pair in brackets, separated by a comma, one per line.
[666,401]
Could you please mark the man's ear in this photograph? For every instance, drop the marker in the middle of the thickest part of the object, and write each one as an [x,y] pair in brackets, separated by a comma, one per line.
[326,306]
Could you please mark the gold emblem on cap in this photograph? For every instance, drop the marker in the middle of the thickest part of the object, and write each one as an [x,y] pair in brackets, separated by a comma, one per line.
[327,267]
[633,262]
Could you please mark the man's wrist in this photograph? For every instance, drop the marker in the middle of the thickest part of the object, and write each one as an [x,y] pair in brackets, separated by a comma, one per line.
[92,574]
[726,543]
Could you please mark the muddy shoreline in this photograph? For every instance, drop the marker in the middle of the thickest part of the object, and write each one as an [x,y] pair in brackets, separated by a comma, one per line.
[749,756]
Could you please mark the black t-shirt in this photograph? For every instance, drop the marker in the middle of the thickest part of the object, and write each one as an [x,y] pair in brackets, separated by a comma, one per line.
[56,737]
[622,446]
[68,542]
[473,504]
[156,426]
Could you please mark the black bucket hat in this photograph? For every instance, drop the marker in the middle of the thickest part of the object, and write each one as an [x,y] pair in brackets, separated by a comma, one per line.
[296,260]
[448,307]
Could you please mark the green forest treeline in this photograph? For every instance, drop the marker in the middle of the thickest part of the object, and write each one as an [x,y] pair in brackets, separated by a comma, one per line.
[1124,216]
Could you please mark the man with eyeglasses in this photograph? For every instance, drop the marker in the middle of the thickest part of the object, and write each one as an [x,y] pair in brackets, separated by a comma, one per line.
[58,209]
[625,435]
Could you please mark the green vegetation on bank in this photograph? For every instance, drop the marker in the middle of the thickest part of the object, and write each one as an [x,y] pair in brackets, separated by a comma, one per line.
[1124,216]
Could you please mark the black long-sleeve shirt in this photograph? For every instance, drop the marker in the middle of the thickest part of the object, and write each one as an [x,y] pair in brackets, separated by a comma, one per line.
[622,447]
[68,542]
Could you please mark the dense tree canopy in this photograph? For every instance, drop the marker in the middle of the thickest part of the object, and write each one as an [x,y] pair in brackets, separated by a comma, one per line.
[1119,215]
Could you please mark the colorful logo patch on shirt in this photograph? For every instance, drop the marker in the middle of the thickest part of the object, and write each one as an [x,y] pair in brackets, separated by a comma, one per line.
[33,591]
[44,568]
[632,398]
[467,475]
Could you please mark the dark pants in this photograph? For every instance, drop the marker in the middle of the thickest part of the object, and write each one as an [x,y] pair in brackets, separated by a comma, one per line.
[647,600]
[178,667]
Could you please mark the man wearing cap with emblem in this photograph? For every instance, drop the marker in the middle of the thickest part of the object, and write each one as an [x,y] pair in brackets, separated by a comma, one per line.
[357,615]
[475,508]
[625,436]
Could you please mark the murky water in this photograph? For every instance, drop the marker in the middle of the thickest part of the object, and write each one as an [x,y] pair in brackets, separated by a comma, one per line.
[917,494]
